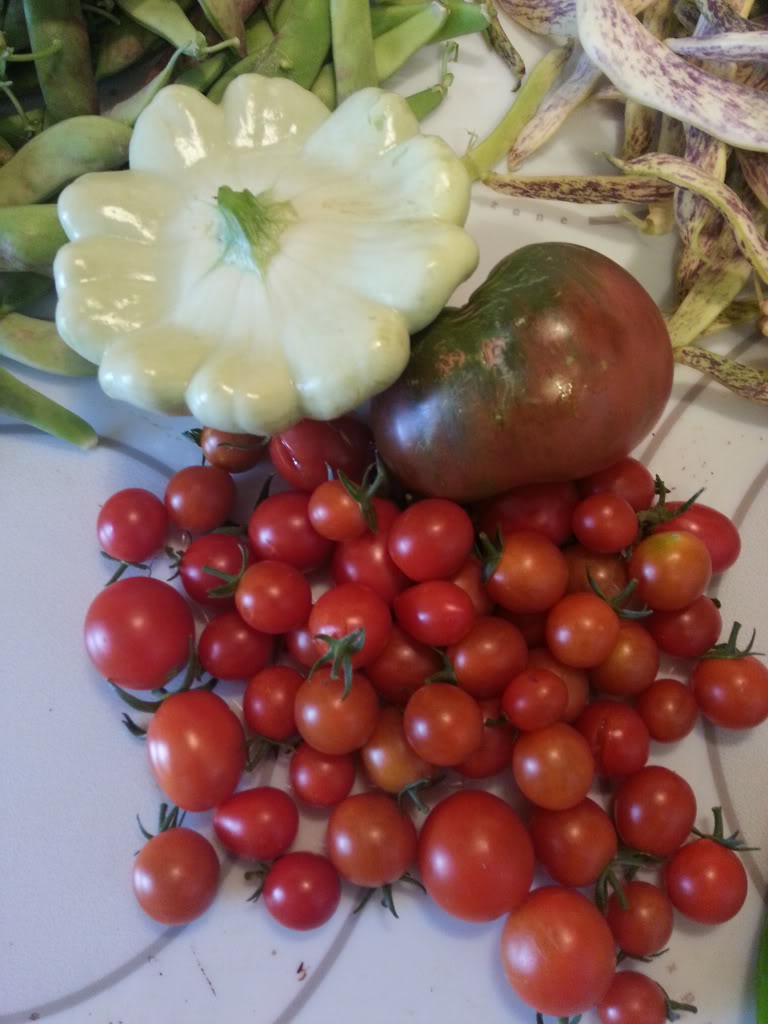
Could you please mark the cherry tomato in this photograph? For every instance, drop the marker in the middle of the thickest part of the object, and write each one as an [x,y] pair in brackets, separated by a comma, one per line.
[196,749]
[609,572]
[558,952]
[582,630]
[139,632]
[258,824]
[605,523]
[329,720]
[542,508]
[347,608]
[431,539]
[575,679]
[302,890]
[389,761]
[617,737]
[495,751]
[200,498]
[689,632]
[706,881]
[643,927]
[553,767]
[334,513]
[532,625]
[668,708]
[530,574]
[443,724]
[268,702]
[574,845]
[672,570]
[175,876]
[302,646]
[715,530]
[279,529]
[132,525]
[369,840]
[321,780]
[489,655]
[732,692]
[302,454]
[229,649]
[234,453]
[273,597]
[633,998]
[222,552]
[628,478]
[654,810]
[631,665]
[437,612]
[475,857]
[470,578]
[534,698]
[402,667]
[366,560]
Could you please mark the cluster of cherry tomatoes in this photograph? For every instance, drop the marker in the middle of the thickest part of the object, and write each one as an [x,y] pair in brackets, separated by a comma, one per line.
[522,636]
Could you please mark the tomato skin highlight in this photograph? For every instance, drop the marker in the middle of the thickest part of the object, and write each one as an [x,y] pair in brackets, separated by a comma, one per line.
[627,478]
[436,613]
[175,876]
[672,570]
[654,810]
[558,952]
[582,630]
[302,454]
[369,840]
[196,749]
[389,761]
[234,453]
[402,667]
[575,679]
[257,824]
[605,523]
[631,665]
[534,698]
[131,525]
[573,845]
[732,692]
[139,632]
[366,559]
[302,890]
[706,881]
[475,856]
[530,574]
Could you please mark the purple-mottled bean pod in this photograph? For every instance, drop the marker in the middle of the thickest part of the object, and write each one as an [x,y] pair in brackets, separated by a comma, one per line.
[607,188]
[500,43]
[66,76]
[723,16]
[725,46]
[641,122]
[754,167]
[739,314]
[749,382]
[553,17]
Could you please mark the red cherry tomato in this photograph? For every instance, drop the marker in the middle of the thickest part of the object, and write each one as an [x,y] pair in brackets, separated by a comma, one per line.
[302,454]
[628,478]
[402,667]
[582,630]
[534,698]
[437,613]
[234,453]
[222,552]
[431,539]
[605,523]
[280,529]
[608,572]
[470,578]
[334,513]
[443,724]
[302,646]
[553,767]
[321,780]
[366,560]
[200,498]
[132,525]
[530,574]
[574,845]
[489,655]
[370,841]
[346,609]
[533,625]
[689,632]
[575,679]
[672,570]
[654,810]
[715,530]
[633,999]
[706,881]
[643,926]
[617,737]
[273,597]
[229,649]
[268,702]
[389,761]
[631,665]
[302,890]
[732,692]
[257,824]
[175,876]
[668,709]
[542,508]
[332,721]
[495,751]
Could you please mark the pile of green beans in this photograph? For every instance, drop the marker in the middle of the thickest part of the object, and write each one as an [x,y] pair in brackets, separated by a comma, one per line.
[61,59]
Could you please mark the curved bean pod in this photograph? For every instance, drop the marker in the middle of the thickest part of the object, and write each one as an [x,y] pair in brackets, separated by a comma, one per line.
[22,402]
[30,237]
[166,19]
[66,77]
[37,343]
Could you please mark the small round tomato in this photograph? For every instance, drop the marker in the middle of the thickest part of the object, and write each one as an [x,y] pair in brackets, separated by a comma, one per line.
[627,478]
[175,876]
[139,632]
[495,751]
[558,952]
[334,513]
[672,570]
[582,630]
[302,890]
[574,845]
[654,810]
[302,646]
[258,824]
[321,780]
[200,498]
[543,508]
[234,453]
[366,559]
[280,530]
[349,608]
[332,720]
[229,649]
[643,926]
[389,761]
[616,735]
[633,998]
[608,572]
[431,539]
[132,525]
[443,724]
[668,709]
[221,552]
[273,597]
[534,698]
[575,679]
[706,881]
[268,702]
[689,632]
[605,523]
[402,667]
[470,578]
[303,453]
[489,655]
[475,857]
[732,692]
[553,767]
[196,749]
[530,574]
[437,613]
[532,625]
[715,530]
[370,841]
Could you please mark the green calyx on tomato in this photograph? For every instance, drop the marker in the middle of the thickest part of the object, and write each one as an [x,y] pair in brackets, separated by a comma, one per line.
[193,672]
[121,567]
[387,897]
[168,817]
[629,862]
[619,601]
[373,482]
[717,835]
[339,656]
[414,790]
[729,648]
[229,580]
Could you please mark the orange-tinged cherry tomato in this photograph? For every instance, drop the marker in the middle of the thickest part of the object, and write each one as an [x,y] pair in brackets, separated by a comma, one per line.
[234,453]
[389,761]
[332,721]
[582,630]
[369,840]
[553,767]
[488,656]
[443,724]
[672,570]
[175,876]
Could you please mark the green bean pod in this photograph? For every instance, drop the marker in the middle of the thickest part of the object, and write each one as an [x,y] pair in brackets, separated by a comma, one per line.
[22,402]
[66,77]
[203,75]
[352,44]
[262,58]
[166,19]
[37,343]
[30,237]
[18,130]
[128,110]
[15,25]
[226,18]
[18,289]
[121,46]
[60,154]
[428,100]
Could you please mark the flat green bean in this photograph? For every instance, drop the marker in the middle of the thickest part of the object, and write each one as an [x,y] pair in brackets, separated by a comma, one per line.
[262,57]
[18,130]
[428,100]
[30,237]
[464,18]
[36,343]
[166,19]
[352,46]
[226,18]
[60,154]
[303,38]
[22,402]
[66,77]
[203,75]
